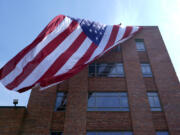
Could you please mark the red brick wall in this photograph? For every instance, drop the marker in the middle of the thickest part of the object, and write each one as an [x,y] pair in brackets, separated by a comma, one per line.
[58,121]
[143,57]
[103,121]
[150,84]
[106,84]
[40,118]
[11,120]
[111,57]
[165,77]
[139,107]
[39,112]
[159,121]
[75,117]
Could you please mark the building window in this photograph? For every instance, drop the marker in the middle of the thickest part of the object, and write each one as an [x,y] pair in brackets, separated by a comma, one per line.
[154,101]
[61,101]
[116,49]
[140,45]
[108,101]
[106,70]
[110,133]
[56,133]
[162,133]
[146,70]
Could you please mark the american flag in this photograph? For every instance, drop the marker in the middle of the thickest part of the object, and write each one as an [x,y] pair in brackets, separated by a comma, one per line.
[65,47]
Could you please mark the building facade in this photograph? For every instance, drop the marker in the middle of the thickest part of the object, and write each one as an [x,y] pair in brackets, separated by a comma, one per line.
[131,90]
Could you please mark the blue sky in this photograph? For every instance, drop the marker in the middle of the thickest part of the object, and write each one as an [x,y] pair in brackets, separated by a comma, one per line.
[22,20]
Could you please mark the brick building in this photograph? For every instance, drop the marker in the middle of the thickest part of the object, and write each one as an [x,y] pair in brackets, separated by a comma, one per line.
[132,90]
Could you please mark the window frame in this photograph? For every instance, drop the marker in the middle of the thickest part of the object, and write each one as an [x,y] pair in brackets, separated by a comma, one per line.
[64,97]
[97,65]
[145,65]
[153,95]
[140,49]
[166,132]
[120,132]
[120,108]
[56,133]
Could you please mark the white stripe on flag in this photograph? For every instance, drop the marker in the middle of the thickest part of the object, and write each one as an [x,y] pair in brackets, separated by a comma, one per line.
[135,29]
[102,44]
[119,36]
[49,60]
[119,39]
[33,53]
[43,88]
[120,33]
[75,57]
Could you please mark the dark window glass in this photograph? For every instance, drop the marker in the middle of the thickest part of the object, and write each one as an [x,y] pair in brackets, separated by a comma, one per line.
[154,101]
[108,101]
[110,133]
[146,70]
[56,133]
[61,101]
[116,49]
[92,69]
[162,133]
[106,69]
[140,45]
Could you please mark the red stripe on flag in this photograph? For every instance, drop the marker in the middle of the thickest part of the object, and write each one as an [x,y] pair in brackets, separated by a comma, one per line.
[77,68]
[127,32]
[140,28]
[42,54]
[25,89]
[112,36]
[86,56]
[13,62]
[63,58]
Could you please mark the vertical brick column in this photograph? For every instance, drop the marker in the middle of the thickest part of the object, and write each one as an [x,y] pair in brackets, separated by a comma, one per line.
[39,113]
[139,107]
[165,78]
[75,117]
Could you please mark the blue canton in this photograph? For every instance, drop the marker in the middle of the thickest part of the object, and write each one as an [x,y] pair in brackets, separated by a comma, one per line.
[93,30]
